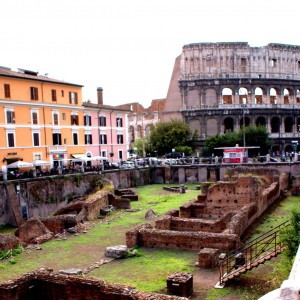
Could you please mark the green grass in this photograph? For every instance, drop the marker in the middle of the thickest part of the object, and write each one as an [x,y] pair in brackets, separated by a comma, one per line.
[85,249]
[149,271]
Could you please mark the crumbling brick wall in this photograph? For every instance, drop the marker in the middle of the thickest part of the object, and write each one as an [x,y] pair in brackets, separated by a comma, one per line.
[186,224]
[215,220]
[46,285]
[168,239]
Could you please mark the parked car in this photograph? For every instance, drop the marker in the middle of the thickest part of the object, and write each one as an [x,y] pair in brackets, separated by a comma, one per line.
[264,159]
[173,155]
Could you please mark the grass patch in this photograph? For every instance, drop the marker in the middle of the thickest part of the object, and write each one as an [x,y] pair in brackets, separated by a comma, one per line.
[151,268]
[85,249]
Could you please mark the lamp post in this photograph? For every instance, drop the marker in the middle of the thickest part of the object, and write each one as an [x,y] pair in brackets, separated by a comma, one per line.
[244,135]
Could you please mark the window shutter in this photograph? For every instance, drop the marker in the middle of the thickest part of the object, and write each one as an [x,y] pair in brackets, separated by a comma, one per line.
[76,98]
[70,97]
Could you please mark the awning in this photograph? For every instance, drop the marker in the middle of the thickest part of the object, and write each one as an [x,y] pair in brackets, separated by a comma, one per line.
[11,159]
[79,155]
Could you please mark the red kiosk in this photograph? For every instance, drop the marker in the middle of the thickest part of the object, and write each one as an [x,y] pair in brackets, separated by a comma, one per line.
[235,154]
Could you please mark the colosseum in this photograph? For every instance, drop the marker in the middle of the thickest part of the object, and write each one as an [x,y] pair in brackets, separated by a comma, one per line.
[217,87]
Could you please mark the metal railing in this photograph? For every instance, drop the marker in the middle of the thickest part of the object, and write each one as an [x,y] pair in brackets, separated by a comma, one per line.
[252,254]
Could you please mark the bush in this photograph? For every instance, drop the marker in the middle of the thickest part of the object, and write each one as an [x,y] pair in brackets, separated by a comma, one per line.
[291,234]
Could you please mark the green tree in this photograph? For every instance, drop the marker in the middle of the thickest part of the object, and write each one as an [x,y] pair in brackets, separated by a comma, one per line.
[291,234]
[254,136]
[139,144]
[166,136]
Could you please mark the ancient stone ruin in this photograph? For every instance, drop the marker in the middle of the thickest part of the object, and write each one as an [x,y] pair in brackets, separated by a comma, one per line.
[44,284]
[218,218]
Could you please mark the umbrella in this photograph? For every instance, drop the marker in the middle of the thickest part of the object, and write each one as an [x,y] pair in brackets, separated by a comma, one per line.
[98,158]
[19,164]
[39,162]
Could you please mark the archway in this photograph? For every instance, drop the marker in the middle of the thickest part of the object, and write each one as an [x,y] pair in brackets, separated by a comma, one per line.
[258,97]
[260,121]
[288,124]
[228,124]
[227,96]
[275,125]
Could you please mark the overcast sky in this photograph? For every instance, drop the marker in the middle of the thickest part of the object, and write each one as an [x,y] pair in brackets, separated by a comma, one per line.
[128,47]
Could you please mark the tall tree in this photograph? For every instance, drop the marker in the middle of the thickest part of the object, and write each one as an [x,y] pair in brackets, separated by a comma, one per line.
[166,136]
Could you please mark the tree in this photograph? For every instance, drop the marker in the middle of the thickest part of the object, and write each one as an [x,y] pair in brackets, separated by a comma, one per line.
[254,136]
[291,234]
[166,136]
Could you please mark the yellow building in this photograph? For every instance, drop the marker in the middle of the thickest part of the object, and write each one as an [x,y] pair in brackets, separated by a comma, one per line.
[40,118]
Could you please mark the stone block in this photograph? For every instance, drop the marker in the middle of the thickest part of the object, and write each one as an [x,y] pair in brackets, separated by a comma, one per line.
[208,258]
[180,284]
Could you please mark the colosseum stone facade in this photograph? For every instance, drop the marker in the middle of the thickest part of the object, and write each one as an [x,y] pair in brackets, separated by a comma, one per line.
[217,87]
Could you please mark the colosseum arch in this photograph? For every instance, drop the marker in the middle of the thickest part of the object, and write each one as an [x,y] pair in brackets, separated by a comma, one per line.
[139,131]
[211,97]
[148,129]
[228,124]
[194,124]
[258,95]
[227,96]
[131,134]
[243,95]
[298,96]
[192,99]
[286,96]
[288,124]
[275,125]
[261,121]
[273,96]
[247,122]
[212,126]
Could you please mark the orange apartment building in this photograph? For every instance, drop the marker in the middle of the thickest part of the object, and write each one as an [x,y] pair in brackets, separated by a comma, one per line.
[40,117]
[44,118]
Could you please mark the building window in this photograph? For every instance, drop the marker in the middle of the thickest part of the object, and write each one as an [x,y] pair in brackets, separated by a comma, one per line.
[120,138]
[56,138]
[10,117]
[34,93]
[11,139]
[62,93]
[34,116]
[102,121]
[103,139]
[103,153]
[274,63]
[73,98]
[119,122]
[55,118]
[75,138]
[87,120]
[6,90]
[63,116]
[36,139]
[88,139]
[74,120]
[65,141]
[120,154]
[53,95]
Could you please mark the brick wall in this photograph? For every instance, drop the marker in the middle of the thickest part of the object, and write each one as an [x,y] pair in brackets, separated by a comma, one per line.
[46,285]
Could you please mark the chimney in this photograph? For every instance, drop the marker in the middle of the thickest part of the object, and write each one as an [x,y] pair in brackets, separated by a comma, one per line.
[100,95]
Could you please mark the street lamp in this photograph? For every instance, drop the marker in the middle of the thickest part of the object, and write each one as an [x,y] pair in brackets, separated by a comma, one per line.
[244,135]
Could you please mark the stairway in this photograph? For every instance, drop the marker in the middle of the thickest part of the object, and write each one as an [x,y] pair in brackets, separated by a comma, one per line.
[251,255]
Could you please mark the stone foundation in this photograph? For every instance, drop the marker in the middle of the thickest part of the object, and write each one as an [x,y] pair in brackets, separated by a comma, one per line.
[208,258]
[180,284]
[46,285]
[216,219]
